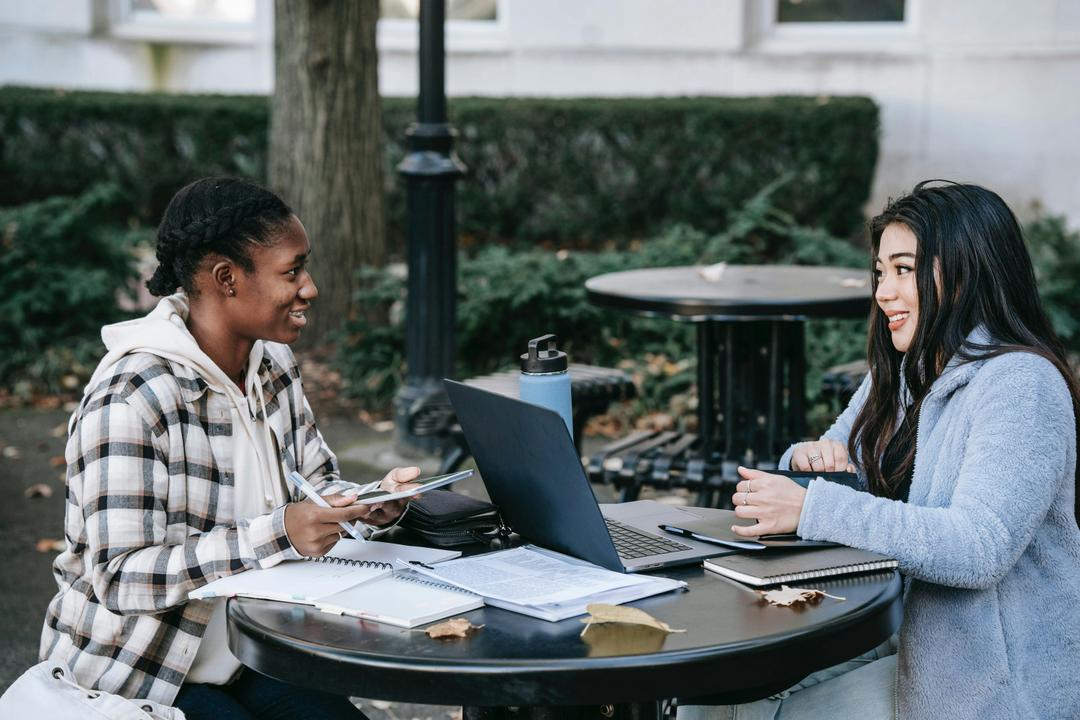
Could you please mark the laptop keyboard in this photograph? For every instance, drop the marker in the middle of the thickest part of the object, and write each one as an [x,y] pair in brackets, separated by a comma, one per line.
[632,543]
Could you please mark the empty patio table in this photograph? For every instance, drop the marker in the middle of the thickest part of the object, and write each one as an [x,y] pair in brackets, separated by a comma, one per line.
[751,368]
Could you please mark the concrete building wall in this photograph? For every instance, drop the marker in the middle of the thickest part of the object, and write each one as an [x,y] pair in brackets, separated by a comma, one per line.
[979,90]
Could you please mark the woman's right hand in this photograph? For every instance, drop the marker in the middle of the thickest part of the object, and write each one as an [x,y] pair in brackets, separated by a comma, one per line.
[821,456]
[313,530]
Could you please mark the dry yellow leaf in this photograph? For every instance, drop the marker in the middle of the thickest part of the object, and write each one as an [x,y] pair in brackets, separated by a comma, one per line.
[453,628]
[38,490]
[787,596]
[607,613]
[609,639]
[50,545]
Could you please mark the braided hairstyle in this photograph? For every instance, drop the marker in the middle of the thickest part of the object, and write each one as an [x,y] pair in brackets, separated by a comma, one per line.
[219,215]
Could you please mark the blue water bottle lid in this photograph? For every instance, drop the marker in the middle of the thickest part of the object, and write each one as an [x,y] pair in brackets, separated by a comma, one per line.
[546,360]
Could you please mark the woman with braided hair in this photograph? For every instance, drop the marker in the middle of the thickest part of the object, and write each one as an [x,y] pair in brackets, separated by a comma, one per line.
[176,461]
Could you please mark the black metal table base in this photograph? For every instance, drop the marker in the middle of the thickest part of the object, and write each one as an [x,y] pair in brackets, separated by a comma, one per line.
[751,387]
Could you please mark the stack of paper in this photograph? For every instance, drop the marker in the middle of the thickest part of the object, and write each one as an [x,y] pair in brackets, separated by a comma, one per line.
[545,584]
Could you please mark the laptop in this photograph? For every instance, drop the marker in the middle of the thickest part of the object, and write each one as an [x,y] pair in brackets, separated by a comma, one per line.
[532,471]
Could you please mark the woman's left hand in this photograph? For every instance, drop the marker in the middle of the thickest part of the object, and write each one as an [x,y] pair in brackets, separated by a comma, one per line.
[773,500]
[396,480]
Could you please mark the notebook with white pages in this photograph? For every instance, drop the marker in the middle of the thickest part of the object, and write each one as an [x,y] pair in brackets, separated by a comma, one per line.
[356,579]
[760,569]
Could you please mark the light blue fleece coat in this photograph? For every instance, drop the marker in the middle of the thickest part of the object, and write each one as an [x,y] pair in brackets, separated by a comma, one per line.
[987,539]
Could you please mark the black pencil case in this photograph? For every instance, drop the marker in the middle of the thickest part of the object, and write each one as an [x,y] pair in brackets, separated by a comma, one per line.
[447,518]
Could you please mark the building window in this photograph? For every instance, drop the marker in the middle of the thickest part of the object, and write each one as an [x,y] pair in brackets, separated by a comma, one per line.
[471,26]
[186,21]
[455,9]
[222,11]
[839,11]
[838,26]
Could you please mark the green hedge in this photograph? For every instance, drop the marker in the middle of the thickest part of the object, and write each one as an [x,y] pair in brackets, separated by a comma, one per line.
[572,172]
[507,296]
[64,263]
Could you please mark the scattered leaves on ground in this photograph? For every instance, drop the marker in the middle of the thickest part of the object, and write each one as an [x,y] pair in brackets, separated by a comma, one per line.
[50,545]
[57,461]
[607,613]
[38,490]
[60,430]
[787,596]
[11,452]
[453,628]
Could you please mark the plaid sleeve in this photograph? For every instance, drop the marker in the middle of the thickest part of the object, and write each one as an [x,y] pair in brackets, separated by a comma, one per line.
[320,465]
[127,493]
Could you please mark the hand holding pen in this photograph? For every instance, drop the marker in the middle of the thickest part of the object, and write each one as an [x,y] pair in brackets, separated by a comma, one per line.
[316,526]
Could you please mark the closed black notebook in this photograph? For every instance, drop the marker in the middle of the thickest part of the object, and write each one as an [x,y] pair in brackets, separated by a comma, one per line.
[794,566]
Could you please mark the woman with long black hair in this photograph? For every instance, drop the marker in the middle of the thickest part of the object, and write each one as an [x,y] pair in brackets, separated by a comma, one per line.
[964,436]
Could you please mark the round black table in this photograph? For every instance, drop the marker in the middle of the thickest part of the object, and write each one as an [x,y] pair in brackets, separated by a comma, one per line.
[737,648]
[750,345]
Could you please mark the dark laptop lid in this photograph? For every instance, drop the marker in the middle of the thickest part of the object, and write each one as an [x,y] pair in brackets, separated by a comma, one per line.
[532,471]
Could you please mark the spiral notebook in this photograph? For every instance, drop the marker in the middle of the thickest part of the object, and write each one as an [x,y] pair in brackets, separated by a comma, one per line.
[796,565]
[354,579]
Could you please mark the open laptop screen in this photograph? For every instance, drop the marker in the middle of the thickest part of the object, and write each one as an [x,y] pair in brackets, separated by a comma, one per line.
[533,473]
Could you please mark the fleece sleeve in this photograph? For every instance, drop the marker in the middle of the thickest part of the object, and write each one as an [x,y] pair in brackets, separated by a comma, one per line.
[1019,450]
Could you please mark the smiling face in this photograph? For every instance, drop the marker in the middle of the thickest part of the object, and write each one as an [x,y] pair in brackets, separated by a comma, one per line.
[897,294]
[271,301]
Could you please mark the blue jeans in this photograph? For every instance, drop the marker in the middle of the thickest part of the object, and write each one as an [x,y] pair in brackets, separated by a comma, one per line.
[863,688]
[253,696]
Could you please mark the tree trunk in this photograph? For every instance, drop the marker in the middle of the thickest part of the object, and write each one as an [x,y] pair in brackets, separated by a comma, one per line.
[326,144]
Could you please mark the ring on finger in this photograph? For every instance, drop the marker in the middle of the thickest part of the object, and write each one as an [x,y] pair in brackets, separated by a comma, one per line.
[813,459]
[746,498]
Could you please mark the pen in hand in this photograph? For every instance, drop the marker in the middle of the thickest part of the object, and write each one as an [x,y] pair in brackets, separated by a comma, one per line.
[305,487]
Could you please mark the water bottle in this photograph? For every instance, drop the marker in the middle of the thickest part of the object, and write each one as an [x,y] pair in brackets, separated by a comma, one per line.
[545,379]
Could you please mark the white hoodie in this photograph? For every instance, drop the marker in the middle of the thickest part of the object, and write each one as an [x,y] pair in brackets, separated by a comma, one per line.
[259,484]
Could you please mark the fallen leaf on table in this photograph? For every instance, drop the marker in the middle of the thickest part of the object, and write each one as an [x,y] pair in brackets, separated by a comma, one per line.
[38,490]
[607,613]
[608,639]
[57,461]
[713,273]
[454,628]
[787,596]
[50,545]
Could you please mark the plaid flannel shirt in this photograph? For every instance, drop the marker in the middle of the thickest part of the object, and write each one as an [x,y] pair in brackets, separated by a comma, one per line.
[149,518]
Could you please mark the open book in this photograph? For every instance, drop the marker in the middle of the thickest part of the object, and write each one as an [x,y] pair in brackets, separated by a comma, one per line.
[545,584]
[356,579]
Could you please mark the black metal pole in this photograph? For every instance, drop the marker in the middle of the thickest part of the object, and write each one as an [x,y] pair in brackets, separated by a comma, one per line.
[430,170]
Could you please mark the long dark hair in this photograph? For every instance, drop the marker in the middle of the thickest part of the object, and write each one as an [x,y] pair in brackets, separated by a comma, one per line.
[220,215]
[971,247]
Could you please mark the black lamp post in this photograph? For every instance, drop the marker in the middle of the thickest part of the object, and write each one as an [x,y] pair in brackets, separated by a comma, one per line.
[430,170]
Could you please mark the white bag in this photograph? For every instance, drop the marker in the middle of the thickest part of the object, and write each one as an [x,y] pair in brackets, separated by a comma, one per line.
[49,690]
